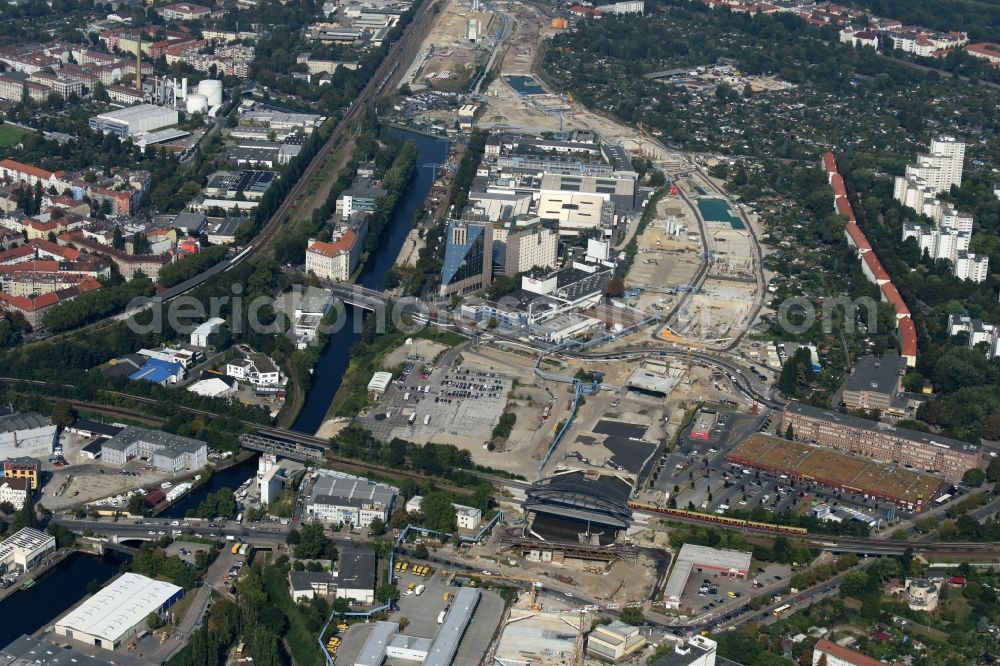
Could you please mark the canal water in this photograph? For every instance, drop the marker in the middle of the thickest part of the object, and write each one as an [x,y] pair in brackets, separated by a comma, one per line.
[27,611]
[231,477]
[333,363]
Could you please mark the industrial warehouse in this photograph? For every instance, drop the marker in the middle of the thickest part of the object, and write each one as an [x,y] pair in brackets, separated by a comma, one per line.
[118,612]
[728,562]
[838,470]
[385,641]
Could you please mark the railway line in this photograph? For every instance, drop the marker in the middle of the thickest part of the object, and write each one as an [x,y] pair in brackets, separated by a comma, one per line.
[346,128]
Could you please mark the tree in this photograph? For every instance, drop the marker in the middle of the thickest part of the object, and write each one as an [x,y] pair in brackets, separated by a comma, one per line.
[633,616]
[117,239]
[153,621]
[420,552]
[439,514]
[25,517]
[63,414]
[377,527]
[137,505]
[797,373]
[973,477]
[387,593]
[790,432]
[993,471]
[854,584]
[294,537]
[313,543]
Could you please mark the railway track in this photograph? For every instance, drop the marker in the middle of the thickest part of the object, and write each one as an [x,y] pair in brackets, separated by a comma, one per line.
[345,128]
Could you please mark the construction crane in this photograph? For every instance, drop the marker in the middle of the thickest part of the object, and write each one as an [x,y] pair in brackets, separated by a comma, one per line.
[534,586]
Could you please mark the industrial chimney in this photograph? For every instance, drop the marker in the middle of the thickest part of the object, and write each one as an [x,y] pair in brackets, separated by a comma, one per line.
[138,64]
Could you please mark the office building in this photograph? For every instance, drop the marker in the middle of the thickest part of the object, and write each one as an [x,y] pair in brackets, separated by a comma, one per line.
[134,119]
[355,575]
[923,451]
[256,368]
[467,517]
[696,651]
[731,563]
[166,452]
[118,612]
[23,467]
[310,584]
[25,548]
[529,248]
[342,498]
[360,197]
[615,641]
[874,382]
[574,212]
[468,257]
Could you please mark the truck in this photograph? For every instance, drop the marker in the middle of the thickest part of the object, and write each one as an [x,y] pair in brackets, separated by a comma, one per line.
[235,549]
[420,590]
[427,419]
[412,419]
[230,537]
[406,396]
[441,617]
[239,517]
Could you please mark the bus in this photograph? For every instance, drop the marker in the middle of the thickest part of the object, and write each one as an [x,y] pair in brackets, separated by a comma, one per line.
[944,498]
[412,419]
[781,610]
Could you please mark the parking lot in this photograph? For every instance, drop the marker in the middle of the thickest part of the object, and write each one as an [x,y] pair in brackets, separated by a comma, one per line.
[426,403]
[715,595]
[698,478]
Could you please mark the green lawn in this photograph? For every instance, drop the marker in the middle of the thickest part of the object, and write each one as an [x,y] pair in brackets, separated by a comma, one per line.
[10,135]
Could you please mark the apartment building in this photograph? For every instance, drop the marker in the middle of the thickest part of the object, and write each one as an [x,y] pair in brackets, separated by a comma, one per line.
[978,332]
[184,12]
[948,457]
[528,248]
[874,382]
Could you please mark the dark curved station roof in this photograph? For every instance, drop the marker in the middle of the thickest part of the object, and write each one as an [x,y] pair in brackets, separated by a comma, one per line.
[600,498]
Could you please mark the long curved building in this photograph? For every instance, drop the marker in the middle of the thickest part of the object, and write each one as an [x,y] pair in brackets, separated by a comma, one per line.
[582,500]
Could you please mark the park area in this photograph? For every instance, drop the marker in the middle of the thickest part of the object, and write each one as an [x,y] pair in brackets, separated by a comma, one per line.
[10,135]
[810,463]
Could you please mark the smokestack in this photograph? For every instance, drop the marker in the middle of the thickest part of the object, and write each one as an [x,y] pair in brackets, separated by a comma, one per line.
[138,64]
[184,88]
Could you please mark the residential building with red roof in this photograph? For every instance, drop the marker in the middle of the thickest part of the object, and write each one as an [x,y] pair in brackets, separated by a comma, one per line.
[14,171]
[34,307]
[838,655]
[335,260]
[985,50]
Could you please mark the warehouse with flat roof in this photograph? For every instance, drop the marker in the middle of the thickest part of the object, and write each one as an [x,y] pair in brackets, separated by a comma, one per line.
[133,120]
[731,562]
[119,611]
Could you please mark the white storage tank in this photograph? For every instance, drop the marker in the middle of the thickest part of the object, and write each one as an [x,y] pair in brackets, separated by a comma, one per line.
[211,89]
[197,103]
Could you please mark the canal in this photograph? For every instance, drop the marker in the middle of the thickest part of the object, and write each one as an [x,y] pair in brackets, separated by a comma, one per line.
[333,363]
[28,610]
[231,477]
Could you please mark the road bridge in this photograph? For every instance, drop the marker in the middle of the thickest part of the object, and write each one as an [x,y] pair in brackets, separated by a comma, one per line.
[359,297]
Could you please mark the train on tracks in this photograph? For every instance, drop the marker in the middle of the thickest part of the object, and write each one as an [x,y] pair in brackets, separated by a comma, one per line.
[715,519]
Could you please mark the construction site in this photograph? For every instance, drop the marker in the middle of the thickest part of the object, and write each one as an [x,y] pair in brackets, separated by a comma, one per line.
[458,43]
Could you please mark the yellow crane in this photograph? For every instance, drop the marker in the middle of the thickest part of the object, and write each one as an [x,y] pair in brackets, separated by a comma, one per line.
[578,657]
